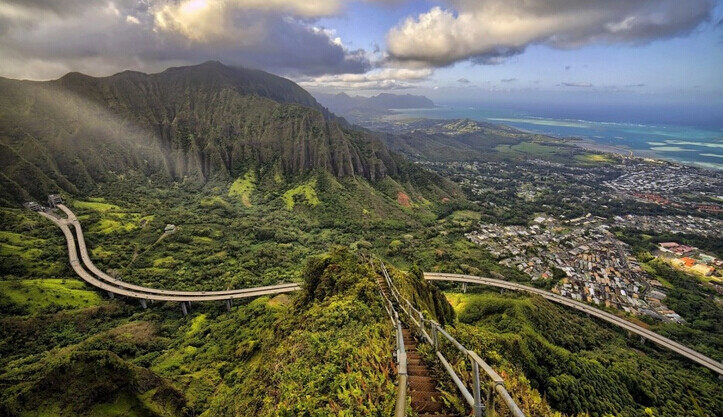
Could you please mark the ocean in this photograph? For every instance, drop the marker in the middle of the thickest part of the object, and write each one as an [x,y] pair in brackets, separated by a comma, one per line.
[696,145]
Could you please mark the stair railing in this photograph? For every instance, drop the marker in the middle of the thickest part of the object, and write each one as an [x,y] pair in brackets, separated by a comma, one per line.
[431,331]
[400,409]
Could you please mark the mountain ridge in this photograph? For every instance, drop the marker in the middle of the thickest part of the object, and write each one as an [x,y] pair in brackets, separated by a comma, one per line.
[198,123]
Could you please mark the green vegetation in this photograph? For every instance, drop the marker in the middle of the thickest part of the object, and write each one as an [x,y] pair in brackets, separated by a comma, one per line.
[46,295]
[97,205]
[697,303]
[243,187]
[326,350]
[577,364]
[594,158]
[304,190]
[261,182]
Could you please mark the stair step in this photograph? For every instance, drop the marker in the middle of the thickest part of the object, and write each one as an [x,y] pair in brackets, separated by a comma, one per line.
[436,415]
[417,370]
[423,386]
[426,395]
[427,406]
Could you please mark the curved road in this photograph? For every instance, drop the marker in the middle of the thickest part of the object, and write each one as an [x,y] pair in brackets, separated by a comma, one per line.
[153,294]
[689,353]
[72,219]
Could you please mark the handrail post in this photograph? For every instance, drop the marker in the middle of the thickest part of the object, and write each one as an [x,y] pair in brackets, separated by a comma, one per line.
[477,390]
[491,400]
[435,338]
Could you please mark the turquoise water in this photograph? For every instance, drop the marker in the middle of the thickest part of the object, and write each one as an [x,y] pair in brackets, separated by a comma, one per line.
[686,144]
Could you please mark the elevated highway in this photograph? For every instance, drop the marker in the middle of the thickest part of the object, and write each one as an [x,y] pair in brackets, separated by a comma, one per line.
[144,293]
[73,219]
[699,358]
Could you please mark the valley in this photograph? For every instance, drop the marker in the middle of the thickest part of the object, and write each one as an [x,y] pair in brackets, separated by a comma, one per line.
[242,180]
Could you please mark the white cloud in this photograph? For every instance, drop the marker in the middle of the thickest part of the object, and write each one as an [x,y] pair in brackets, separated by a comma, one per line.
[378,79]
[204,20]
[488,31]
[41,39]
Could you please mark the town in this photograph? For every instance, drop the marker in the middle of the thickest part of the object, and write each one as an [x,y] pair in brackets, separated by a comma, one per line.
[708,227]
[582,260]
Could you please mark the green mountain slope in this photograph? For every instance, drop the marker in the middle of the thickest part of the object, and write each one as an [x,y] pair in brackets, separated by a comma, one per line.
[192,124]
[324,351]
[578,364]
[467,140]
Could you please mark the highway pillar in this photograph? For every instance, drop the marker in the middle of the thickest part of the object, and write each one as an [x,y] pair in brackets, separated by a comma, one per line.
[642,340]
[464,287]
[143,304]
[228,305]
[111,295]
[183,308]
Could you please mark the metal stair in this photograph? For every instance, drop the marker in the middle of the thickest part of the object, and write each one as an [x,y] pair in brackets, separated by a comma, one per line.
[426,400]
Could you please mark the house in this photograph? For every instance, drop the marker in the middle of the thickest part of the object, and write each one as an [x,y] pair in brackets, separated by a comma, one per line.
[688,262]
[704,269]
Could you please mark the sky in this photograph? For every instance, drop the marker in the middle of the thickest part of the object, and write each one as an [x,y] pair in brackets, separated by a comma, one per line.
[467,51]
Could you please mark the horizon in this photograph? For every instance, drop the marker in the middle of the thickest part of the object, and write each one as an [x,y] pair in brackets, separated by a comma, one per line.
[647,50]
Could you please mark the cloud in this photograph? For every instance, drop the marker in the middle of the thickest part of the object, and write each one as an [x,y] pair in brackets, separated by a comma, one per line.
[508,80]
[568,67]
[640,85]
[578,84]
[378,79]
[489,31]
[463,81]
[41,39]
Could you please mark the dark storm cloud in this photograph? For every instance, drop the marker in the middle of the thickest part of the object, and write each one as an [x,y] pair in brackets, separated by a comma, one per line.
[43,39]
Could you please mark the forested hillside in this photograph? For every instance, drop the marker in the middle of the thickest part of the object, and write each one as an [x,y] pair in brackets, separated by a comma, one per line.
[327,348]
[191,124]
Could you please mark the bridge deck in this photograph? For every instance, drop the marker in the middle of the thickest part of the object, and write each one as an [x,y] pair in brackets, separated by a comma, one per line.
[689,353]
[154,294]
[72,219]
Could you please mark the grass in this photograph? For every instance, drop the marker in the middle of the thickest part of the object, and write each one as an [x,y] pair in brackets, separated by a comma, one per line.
[108,226]
[22,252]
[243,187]
[307,190]
[99,252]
[165,262]
[37,295]
[16,239]
[594,158]
[96,206]
[533,148]
[196,324]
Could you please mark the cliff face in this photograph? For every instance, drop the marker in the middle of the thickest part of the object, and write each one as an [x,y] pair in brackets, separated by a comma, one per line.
[192,123]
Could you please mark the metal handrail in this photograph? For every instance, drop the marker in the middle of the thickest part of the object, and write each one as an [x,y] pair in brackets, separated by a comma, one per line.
[400,409]
[474,399]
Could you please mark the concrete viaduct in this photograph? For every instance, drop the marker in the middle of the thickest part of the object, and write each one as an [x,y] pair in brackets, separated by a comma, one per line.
[113,286]
[699,358]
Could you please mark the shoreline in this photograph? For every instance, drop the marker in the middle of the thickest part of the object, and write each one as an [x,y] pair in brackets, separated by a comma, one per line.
[581,141]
